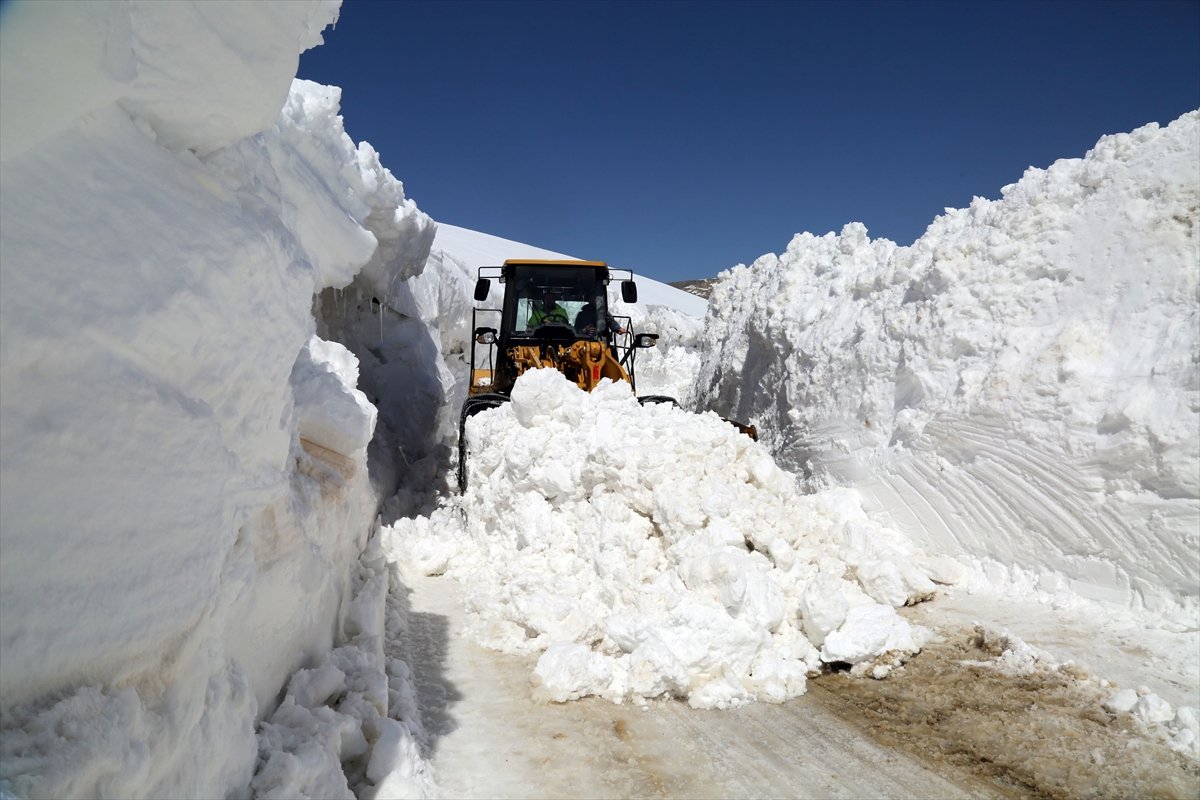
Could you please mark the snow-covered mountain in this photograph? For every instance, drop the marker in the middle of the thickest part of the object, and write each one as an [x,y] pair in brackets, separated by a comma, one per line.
[475,249]
[443,299]
[228,341]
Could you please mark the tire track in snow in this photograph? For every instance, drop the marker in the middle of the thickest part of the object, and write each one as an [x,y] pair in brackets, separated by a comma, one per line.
[796,749]
[488,738]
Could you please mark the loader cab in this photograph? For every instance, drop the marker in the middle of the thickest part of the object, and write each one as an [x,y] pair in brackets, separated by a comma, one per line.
[548,304]
[556,302]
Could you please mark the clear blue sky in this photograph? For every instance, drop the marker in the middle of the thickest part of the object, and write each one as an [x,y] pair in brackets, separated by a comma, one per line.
[680,138]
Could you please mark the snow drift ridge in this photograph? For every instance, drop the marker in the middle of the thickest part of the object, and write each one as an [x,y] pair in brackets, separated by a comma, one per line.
[1019,388]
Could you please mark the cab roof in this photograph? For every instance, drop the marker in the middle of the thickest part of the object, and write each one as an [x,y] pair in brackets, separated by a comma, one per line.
[517,262]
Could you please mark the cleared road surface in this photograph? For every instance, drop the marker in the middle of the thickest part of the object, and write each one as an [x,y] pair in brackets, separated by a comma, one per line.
[947,725]
[489,739]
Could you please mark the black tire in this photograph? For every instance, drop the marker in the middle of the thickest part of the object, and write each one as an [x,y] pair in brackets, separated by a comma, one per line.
[473,405]
[658,398]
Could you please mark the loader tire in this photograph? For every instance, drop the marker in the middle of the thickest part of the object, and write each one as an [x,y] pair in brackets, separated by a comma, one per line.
[473,405]
[658,398]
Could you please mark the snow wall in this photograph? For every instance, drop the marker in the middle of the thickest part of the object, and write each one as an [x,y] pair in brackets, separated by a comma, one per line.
[185,492]
[1020,388]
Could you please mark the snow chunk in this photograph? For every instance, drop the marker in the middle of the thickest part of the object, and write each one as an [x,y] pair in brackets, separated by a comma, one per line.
[869,631]
[340,715]
[331,412]
[201,74]
[310,688]
[1122,702]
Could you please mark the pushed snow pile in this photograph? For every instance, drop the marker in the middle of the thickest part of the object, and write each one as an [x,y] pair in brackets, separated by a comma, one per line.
[1019,388]
[648,551]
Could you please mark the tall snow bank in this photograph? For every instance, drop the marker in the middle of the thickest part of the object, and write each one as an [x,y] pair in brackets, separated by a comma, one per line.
[1019,388]
[221,77]
[183,461]
[363,270]
[646,551]
[349,725]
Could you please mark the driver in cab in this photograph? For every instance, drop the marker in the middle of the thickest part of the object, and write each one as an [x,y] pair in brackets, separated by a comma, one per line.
[548,312]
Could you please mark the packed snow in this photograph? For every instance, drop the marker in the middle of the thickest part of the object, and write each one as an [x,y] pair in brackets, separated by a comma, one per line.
[231,348]
[647,551]
[186,493]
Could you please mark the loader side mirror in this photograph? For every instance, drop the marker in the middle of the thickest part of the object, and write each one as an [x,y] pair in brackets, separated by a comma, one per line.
[629,291]
[485,335]
[482,287]
[645,340]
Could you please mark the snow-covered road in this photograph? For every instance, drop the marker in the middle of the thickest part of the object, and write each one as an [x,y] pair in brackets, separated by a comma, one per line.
[489,739]
[938,728]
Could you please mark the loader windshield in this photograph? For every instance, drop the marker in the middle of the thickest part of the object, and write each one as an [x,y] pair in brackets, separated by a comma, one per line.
[567,300]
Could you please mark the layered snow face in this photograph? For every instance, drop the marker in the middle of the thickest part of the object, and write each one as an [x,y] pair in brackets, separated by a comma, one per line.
[350,725]
[201,75]
[367,301]
[184,468]
[647,551]
[1019,388]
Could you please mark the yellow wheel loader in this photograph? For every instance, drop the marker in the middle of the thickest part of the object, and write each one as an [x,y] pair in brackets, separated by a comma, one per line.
[554,314]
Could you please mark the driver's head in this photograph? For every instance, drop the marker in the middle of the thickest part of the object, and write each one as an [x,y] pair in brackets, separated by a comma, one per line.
[548,299]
